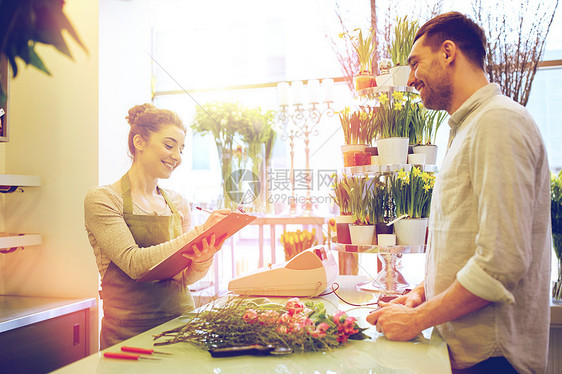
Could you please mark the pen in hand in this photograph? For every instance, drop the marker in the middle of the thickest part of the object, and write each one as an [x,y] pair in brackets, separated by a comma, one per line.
[204,210]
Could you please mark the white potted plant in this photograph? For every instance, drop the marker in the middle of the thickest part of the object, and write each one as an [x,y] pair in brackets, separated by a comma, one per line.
[364,47]
[359,130]
[412,195]
[393,119]
[402,42]
[361,230]
[425,143]
[344,219]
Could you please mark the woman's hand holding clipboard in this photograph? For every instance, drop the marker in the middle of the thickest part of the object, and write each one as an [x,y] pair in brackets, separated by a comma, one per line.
[195,251]
[209,246]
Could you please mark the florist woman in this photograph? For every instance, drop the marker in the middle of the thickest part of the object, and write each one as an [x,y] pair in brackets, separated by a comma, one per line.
[133,224]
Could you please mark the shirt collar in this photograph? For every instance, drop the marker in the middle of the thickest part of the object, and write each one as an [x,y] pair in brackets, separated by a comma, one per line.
[473,102]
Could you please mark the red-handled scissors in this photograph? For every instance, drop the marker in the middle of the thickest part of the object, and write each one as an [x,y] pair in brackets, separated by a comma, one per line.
[126,356]
[143,351]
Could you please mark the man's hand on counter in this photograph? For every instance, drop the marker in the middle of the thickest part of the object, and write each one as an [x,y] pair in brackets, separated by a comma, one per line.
[395,321]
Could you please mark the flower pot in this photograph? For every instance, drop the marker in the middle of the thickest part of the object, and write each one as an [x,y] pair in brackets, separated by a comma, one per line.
[349,151]
[386,240]
[400,75]
[363,80]
[393,151]
[384,80]
[342,229]
[430,151]
[411,231]
[362,234]
[416,159]
[382,228]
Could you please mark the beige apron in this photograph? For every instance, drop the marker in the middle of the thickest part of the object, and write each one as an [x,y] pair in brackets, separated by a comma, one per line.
[132,307]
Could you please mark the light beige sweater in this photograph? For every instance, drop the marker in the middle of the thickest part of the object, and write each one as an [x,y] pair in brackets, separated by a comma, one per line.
[112,240]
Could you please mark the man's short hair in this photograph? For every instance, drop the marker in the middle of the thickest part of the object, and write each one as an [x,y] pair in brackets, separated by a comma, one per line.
[464,32]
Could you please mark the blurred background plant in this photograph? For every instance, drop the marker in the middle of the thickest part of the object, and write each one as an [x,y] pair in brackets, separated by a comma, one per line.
[241,134]
[23,24]
[556,217]
[294,242]
[515,41]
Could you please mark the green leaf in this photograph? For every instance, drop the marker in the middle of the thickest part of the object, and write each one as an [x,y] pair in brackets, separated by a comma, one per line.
[35,60]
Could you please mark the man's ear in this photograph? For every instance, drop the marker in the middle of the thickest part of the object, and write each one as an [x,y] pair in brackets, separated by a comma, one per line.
[449,51]
[138,142]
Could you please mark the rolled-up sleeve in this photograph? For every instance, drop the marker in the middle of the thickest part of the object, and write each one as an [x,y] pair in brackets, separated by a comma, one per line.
[501,154]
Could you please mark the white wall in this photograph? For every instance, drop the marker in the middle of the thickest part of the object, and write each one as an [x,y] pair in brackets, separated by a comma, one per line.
[124,79]
[54,134]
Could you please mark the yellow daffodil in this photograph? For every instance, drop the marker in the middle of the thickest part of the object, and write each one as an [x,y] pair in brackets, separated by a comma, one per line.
[416,171]
[398,96]
[383,98]
[398,105]
[402,174]
[427,187]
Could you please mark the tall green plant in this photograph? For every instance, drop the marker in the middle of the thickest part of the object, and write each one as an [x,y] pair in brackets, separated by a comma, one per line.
[358,189]
[359,126]
[425,123]
[377,201]
[365,48]
[341,195]
[394,115]
[433,120]
[412,192]
[230,124]
[403,40]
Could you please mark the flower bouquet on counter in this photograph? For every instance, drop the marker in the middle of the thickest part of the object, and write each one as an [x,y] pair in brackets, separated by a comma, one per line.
[242,321]
[556,217]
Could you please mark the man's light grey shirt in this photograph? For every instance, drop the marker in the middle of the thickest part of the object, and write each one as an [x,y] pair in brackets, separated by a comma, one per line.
[490,229]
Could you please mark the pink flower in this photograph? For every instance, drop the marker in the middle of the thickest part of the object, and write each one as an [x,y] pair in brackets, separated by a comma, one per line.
[294,306]
[320,330]
[338,316]
[250,316]
[323,326]
[349,322]
[268,317]
[285,318]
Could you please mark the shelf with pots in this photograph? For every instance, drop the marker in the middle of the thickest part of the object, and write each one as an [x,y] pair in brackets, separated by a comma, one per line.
[384,189]
[9,183]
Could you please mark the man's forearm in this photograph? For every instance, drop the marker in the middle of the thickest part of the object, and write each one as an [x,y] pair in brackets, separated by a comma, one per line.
[456,301]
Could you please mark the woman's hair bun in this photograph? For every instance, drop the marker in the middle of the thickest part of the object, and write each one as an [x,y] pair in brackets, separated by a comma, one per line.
[137,111]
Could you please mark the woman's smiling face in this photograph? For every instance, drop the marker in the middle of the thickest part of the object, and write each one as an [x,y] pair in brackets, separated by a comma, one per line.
[162,153]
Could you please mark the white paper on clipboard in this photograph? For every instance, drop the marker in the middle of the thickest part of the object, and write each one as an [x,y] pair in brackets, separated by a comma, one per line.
[176,262]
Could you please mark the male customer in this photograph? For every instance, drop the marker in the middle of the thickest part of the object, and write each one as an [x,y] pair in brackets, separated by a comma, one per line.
[487,279]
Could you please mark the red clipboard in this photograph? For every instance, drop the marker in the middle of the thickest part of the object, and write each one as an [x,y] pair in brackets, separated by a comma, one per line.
[176,262]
